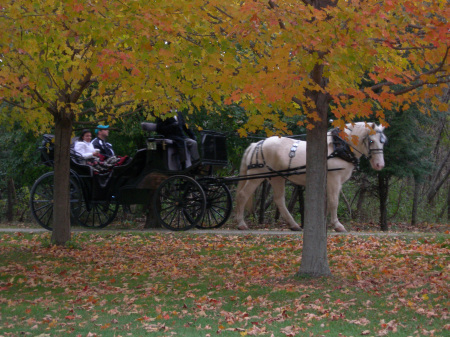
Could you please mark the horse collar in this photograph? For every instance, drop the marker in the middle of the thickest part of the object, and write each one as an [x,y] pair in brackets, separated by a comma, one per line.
[342,150]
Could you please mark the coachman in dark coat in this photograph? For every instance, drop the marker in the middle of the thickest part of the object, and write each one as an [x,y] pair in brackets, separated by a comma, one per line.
[175,128]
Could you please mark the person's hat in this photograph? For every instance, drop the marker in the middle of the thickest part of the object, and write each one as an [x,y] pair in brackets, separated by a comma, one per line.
[101,127]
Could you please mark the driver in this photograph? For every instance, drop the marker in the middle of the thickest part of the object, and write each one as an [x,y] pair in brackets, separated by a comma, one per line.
[175,128]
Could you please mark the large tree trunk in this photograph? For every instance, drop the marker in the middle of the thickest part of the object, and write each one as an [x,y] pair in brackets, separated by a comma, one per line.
[448,205]
[314,255]
[61,205]
[383,191]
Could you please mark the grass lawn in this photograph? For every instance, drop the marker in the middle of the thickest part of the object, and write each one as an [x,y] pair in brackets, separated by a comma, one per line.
[180,284]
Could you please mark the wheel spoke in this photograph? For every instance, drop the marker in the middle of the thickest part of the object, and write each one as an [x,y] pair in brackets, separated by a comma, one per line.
[97,214]
[219,204]
[179,203]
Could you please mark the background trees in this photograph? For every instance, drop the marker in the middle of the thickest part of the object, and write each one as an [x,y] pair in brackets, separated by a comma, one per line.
[272,58]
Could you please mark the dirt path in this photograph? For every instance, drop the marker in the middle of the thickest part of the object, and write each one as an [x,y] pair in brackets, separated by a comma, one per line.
[218,232]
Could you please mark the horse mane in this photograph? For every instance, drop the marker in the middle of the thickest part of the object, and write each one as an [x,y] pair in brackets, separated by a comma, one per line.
[361,129]
[358,129]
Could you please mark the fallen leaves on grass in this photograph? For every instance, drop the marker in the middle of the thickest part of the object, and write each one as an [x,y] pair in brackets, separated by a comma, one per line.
[241,285]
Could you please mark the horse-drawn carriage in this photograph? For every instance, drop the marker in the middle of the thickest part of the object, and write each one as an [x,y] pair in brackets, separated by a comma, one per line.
[185,197]
[182,196]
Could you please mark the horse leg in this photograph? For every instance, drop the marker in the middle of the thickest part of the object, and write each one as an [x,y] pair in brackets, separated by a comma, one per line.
[278,186]
[333,201]
[242,196]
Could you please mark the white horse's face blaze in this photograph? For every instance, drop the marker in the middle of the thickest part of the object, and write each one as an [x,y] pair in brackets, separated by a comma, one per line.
[375,148]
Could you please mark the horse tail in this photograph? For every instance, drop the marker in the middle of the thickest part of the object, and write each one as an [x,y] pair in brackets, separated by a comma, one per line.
[243,171]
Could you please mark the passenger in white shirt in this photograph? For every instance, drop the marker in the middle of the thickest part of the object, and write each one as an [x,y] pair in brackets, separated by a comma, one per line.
[84,147]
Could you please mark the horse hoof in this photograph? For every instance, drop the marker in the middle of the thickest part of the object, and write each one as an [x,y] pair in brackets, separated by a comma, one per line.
[243,227]
[296,229]
[340,229]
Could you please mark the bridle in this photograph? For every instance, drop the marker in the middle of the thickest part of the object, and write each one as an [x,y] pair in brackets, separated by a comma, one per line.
[383,140]
[350,157]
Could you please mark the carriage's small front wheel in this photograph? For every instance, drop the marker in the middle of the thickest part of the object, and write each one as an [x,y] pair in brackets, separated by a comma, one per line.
[179,203]
[218,203]
[41,200]
[96,213]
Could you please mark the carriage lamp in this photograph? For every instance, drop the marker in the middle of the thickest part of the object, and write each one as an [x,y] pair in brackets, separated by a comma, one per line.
[151,144]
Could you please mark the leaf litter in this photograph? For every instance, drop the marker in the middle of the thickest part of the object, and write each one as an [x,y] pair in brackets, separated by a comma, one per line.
[165,284]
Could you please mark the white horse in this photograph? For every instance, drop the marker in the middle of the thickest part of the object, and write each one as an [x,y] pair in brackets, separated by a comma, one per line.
[286,155]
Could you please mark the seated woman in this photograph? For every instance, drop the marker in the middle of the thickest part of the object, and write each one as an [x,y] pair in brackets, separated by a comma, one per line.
[84,147]
[91,156]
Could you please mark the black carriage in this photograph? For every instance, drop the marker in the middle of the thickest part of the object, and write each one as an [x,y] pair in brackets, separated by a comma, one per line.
[183,195]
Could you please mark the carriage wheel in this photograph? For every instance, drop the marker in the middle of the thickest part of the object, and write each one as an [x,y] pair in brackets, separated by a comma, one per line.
[41,200]
[96,213]
[218,204]
[179,203]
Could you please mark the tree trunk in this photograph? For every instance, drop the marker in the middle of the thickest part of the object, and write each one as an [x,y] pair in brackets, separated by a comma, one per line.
[347,203]
[294,198]
[61,195]
[150,220]
[314,255]
[415,203]
[448,204]
[262,202]
[436,186]
[383,191]
[11,200]
[297,196]
[360,210]
[301,203]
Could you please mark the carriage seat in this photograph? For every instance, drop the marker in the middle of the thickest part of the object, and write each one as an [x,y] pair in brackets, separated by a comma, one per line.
[78,164]
[173,157]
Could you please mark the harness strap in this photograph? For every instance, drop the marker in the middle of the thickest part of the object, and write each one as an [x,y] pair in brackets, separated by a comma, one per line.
[292,152]
[255,153]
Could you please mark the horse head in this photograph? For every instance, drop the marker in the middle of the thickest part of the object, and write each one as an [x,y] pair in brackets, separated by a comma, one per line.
[371,140]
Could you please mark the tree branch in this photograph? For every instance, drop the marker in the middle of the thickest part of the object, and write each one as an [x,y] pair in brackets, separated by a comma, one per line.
[141,108]
[421,83]
[106,108]
[83,84]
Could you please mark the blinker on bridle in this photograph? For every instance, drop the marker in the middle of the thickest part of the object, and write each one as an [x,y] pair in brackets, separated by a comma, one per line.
[383,140]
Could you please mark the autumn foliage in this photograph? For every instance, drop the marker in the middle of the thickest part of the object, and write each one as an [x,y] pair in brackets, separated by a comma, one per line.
[229,285]
[80,61]
[259,54]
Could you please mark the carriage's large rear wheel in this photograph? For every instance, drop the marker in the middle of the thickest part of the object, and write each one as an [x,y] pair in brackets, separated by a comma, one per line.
[41,200]
[179,203]
[218,203]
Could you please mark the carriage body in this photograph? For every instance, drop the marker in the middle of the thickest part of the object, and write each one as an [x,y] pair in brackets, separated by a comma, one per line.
[144,179]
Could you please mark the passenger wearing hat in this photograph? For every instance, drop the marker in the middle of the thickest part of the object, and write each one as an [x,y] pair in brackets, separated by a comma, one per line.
[100,142]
